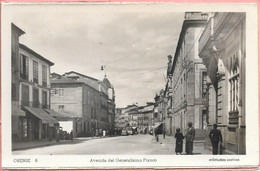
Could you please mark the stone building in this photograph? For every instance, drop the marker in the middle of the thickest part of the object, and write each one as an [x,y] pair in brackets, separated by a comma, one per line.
[118,122]
[159,107]
[122,115]
[186,75]
[133,117]
[33,97]
[111,103]
[17,113]
[223,50]
[86,99]
[145,118]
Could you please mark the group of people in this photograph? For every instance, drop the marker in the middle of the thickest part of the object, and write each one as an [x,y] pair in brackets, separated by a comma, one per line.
[214,135]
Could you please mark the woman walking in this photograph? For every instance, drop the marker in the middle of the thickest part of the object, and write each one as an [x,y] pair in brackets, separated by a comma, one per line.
[179,141]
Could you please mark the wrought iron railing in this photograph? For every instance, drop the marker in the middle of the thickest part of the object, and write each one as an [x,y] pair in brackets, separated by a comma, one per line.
[233,117]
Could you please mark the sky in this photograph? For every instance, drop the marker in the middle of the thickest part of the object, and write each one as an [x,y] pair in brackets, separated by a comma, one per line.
[132,42]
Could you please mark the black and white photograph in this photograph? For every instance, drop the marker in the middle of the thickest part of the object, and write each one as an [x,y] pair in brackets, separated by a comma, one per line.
[117,85]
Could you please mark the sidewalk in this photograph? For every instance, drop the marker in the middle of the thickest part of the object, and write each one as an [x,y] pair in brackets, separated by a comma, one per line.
[39,143]
[167,146]
[44,143]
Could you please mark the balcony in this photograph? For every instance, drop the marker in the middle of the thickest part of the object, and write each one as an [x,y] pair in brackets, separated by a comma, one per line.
[25,103]
[35,80]
[195,16]
[44,83]
[214,24]
[24,76]
[206,35]
[233,117]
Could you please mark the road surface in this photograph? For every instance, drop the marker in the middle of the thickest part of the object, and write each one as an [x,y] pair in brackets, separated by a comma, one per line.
[124,145]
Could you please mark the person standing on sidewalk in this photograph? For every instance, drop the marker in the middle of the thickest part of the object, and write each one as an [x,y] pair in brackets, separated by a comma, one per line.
[100,132]
[156,134]
[57,134]
[215,136]
[179,141]
[189,139]
[71,135]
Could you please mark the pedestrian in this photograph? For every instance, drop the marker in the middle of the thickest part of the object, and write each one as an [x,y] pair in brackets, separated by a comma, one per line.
[57,134]
[215,136]
[156,134]
[164,132]
[100,132]
[92,132]
[189,139]
[71,135]
[179,141]
[50,133]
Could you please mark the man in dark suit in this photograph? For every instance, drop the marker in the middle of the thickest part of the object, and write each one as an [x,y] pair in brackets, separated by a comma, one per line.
[189,139]
[215,136]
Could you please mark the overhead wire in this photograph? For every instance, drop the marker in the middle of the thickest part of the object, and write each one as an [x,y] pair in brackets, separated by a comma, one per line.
[141,74]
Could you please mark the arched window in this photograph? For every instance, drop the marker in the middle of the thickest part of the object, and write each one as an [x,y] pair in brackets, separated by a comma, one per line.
[234,89]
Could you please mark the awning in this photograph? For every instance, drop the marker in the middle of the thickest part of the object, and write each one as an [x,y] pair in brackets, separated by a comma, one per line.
[41,114]
[17,112]
[157,125]
[57,114]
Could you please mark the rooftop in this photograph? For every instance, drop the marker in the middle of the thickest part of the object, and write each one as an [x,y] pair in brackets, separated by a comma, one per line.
[14,27]
[22,46]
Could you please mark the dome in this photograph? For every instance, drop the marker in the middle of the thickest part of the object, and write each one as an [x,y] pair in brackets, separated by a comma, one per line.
[107,82]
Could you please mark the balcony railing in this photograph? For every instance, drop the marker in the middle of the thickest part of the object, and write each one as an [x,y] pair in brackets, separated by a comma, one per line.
[211,28]
[24,76]
[44,83]
[233,117]
[35,80]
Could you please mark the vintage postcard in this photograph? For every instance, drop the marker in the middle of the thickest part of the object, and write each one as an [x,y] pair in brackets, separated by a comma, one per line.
[129,85]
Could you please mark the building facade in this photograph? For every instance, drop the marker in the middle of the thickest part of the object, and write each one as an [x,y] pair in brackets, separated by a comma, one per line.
[186,76]
[223,50]
[17,113]
[133,117]
[32,90]
[118,113]
[111,103]
[123,116]
[159,107]
[145,118]
[86,99]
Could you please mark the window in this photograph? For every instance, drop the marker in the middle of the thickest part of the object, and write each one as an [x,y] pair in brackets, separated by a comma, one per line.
[35,72]
[234,90]
[13,60]
[35,98]
[234,83]
[25,95]
[44,75]
[61,108]
[61,92]
[204,119]
[44,99]
[24,67]
[204,84]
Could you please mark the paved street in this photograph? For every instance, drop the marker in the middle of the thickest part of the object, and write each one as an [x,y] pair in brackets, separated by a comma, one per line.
[128,145]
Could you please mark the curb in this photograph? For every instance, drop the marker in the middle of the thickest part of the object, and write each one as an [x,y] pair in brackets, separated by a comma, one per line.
[42,145]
